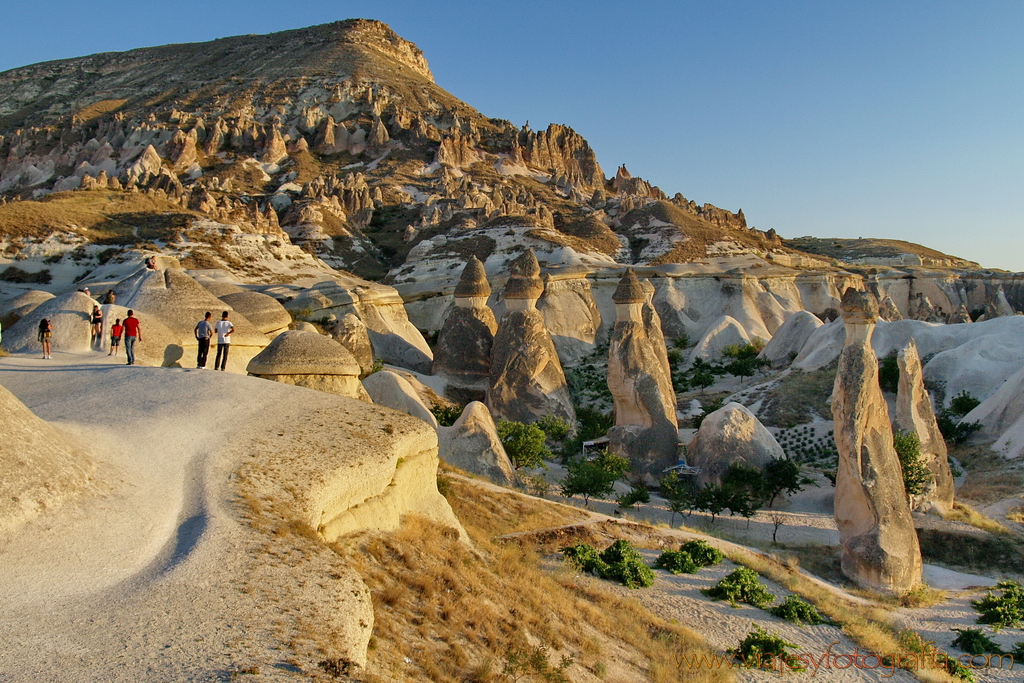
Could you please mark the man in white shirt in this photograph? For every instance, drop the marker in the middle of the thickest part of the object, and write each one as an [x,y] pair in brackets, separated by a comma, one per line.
[223,328]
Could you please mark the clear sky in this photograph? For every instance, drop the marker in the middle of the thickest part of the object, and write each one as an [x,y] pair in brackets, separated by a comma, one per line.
[892,119]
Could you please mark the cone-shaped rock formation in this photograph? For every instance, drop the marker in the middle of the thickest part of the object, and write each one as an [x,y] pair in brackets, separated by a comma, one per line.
[462,354]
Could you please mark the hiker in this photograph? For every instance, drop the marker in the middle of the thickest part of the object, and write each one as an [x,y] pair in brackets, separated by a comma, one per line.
[110,297]
[97,326]
[45,332]
[203,332]
[224,329]
[132,334]
[115,337]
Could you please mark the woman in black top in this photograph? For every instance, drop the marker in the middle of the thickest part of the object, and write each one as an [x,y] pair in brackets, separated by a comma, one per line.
[97,325]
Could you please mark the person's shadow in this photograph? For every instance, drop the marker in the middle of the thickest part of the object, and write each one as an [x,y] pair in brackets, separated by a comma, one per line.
[172,356]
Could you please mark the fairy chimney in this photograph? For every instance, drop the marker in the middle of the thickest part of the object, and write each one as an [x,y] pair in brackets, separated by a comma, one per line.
[462,354]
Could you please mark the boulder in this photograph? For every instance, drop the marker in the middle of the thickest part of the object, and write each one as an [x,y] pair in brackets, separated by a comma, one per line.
[351,333]
[726,331]
[263,311]
[785,344]
[960,315]
[14,309]
[641,385]
[731,434]
[303,326]
[391,391]
[310,360]
[69,314]
[876,530]
[472,444]
[914,413]
[40,466]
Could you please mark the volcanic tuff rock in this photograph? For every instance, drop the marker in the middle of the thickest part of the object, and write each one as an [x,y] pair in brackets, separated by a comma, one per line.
[731,434]
[526,380]
[462,354]
[391,391]
[472,444]
[351,333]
[639,379]
[310,360]
[40,466]
[725,331]
[787,341]
[914,413]
[879,545]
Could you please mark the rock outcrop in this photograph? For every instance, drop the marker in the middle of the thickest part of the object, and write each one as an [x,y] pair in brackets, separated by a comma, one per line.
[731,434]
[879,545]
[351,333]
[472,444]
[526,380]
[1001,417]
[914,413]
[726,331]
[462,354]
[785,344]
[391,391]
[263,311]
[40,467]
[310,360]
[646,430]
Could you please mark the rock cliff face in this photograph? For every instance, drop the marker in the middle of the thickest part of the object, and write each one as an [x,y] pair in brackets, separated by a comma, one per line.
[879,544]
[526,380]
[914,413]
[646,431]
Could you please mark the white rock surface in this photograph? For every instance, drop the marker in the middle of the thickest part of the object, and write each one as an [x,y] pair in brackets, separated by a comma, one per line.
[391,391]
[791,336]
[472,444]
[731,434]
[726,331]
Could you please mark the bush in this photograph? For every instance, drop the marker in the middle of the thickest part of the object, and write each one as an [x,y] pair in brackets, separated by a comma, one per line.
[1018,652]
[915,473]
[676,562]
[974,641]
[703,554]
[524,444]
[619,562]
[446,415]
[742,585]
[637,494]
[1005,610]
[554,428]
[963,403]
[798,611]
[15,274]
[594,477]
[762,650]
[953,430]
[889,374]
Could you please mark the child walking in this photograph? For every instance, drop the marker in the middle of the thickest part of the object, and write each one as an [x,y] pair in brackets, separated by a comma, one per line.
[116,330]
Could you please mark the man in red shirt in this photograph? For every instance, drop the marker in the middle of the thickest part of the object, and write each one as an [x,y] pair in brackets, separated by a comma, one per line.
[132,333]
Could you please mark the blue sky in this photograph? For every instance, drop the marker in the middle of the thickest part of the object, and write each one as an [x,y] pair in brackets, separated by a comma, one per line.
[834,119]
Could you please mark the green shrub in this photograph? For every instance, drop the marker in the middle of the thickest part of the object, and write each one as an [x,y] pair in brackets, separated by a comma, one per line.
[963,403]
[554,428]
[763,650]
[915,472]
[798,611]
[619,562]
[594,477]
[1005,610]
[1018,652]
[638,493]
[889,374]
[524,444]
[742,585]
[974,641]
[15,274]
[955,668]
[446,415]
[704,554]
[676,562]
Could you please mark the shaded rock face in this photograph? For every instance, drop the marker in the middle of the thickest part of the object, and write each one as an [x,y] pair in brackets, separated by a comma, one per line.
[960,315]
[23,304]
[351,333]
[1001,416]
[731,434]
[526,380]
[311,360]
[887,310]
[785,344]
[571,316]
[726,331]
[263,311]
[914,413]
[40,467]
[472,444]
[641,385]
[462,354]
[391,391]
[879,546]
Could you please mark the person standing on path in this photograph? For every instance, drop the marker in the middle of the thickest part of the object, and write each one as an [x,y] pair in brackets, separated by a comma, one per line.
[97,327]
[116,330]
[45,332]
[224,329]
[203,332]
[132,334]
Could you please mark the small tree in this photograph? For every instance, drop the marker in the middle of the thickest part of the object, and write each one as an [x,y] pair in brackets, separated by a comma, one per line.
[594,477]
[637,494]
[889,374]
[777,521]
[524,444]
[782,474]
[554,428]
[915,473]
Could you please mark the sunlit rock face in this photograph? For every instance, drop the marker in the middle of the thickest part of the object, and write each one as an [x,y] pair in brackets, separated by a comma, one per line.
[879,546]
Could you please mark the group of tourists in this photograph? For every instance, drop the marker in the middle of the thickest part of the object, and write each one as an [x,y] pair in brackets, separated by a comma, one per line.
[130,330]
[204,331]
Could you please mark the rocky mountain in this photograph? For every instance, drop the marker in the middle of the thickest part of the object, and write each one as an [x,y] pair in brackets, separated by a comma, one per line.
[302,153]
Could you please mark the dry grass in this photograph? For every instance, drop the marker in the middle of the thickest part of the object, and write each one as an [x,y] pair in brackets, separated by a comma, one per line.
[446,612]
[798,397]
[1016,514]
[963,512]
[990,477]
